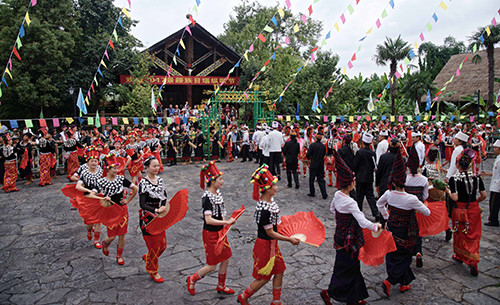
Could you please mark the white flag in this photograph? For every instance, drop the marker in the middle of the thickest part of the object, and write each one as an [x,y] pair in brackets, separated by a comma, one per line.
[371,106]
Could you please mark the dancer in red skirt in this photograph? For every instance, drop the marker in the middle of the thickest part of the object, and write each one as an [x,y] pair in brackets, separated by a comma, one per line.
[47,149]
[10,175]
[112,188]
[87,177]
[71,155]
[135,151]
[214,213]
[153,200]
[268,260]
[119,152]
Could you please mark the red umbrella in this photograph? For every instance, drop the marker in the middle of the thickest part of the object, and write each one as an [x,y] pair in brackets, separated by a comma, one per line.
[304,226]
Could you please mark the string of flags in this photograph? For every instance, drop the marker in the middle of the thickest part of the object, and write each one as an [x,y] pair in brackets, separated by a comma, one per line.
[475,47]
[341,20]
[16,47]
[81,101]
[159,97]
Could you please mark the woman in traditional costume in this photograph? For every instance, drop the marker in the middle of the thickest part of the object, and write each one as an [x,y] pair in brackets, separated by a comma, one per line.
[119,152]
[112,187]
[47,150]
[153,201]
[71,154]
[268,260]
[466,190]
[135,152]
[214,219]
[24,151]
[403,225]
[308,139]
[347,284]
[10,161]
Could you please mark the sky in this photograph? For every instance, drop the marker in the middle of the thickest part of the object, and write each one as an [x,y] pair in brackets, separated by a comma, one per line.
[160,18]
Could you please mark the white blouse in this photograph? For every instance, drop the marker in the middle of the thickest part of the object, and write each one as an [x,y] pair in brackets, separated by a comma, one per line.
[400,200]
[346,205]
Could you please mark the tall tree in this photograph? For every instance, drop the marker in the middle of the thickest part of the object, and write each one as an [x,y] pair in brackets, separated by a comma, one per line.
[432,58]
[489,43]
[392,51]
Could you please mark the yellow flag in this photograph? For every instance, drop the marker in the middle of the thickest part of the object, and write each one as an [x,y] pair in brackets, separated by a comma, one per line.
[488,31]
[324,101]
[288,118]
[351,119]
[318,117]
[426,118]
[124,10]
[295,28]
[416,45]
[8,72]
[250,86]
[104,64]
[462,117]
[164,81]
[392,118]
[70,120]
[27,18]
[87,100]
[369,31]
[246,55]
[281,12]
[182,44]
[336,25]
[125,121]
[307,62]
[344,70]
[443,5]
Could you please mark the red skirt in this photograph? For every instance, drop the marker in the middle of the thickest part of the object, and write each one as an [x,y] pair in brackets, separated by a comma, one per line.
[10,177]
[209,242]
[121,228]
[466,244]
[302,155]
[448,152]
[262,255]
[330,163]
[73,163]
[70,191]
[45,162]
[135,167]
[156,245]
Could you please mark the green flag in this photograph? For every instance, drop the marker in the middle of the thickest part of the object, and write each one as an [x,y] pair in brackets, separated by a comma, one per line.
[97,119]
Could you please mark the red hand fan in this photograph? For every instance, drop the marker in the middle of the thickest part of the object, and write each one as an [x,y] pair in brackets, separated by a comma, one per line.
[70,191]
[80,152]
[223,233]
[93,211]
[178,209]
[435,223]
[105,151]
[375,248]
[24,161]
[304,226]
[130,152]
[122,161]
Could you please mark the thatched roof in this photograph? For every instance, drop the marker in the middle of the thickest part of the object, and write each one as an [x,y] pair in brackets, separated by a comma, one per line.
[472,76]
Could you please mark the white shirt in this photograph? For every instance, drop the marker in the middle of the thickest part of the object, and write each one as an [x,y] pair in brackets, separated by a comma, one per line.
[453,162]
[264,145]
[419,180]
[346,205]
[275,141]
[420,147]
[382,148]
[400,200]
[246,138]
[495,178]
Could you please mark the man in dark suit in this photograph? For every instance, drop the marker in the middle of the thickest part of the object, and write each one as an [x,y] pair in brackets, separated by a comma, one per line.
[291,152]
[347,154]
[364,166]
[384,166]
[316,154]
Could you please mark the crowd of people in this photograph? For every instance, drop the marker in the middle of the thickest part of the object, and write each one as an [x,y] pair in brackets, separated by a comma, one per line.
[396,167]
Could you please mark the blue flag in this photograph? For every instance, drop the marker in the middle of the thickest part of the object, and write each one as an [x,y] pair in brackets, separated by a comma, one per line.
[315,102]
[80,102]
[21,31]
[428,103]
[298,109]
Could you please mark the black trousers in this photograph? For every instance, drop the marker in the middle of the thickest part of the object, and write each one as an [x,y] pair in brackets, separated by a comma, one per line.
[258,156]
[365,189]
[494,207]
[244,152]
[347,283]
[291,168]
[264,160]
[320,175]
[274,167]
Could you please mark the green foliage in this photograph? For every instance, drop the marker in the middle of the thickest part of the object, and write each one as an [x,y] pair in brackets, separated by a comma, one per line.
[432,58]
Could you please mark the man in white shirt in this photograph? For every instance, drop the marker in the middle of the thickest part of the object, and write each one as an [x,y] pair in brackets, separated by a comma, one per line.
[264,146]
[255,140]
[383,144]
[275,143]
[494,188]
[245,145]
[419,146]
[460,142]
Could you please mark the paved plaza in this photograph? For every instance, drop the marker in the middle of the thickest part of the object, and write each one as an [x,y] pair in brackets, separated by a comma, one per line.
[45,257]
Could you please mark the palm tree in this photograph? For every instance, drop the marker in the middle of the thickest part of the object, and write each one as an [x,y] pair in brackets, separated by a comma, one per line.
[392,51]
[489,43]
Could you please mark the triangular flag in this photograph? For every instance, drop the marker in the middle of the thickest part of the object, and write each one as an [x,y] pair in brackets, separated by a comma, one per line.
[369,31]
[95,81]
[92,87]
[33,3]
[378,23]
[336,25]
[18,41]
[21,31]
[80,102]
[5,82]
[268,29]
[106,54]
[99,71]
[288,4]
[429,26]
[488,31]
[310,9]
[353,58]
[120,21]
[153,101]
[10,63]
[273,20]
[443,5]
[251,48]
[342,18]
[262,38]
[281,12]
[351,9]
[124,10]
[103,63]
[182,44]
[189,30]
[27,18]
[97,120]
[435,17]
[8,72]
[391,3]
[296,28]
[421,36]
[384,13]
[115,34]
[111,44]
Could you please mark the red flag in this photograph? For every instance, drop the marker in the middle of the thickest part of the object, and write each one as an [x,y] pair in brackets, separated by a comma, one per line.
[401,67]
[310,10]
[267,63]
[43,123]
[353,57]
[315,49]
[111,44]
[466,57]
[379,95]
[262,38]
[192,20]
[92,86]
[16,53]
[330,90]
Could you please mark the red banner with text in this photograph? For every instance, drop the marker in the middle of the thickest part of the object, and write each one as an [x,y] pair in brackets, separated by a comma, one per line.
[185,80]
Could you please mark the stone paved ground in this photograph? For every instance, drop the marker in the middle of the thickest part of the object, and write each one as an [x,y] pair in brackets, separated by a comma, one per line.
[46,259]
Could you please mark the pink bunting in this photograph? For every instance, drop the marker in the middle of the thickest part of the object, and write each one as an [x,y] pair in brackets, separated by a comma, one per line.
[106,54]
[325,119]
[433,117]
[422,36]
[262,38]
[33,2]
[250,50]
[310,10]
[246,95]
[342,17]
[494,21]
[88,93]
[435,99]
[129,6]
[398,75]
[350,65]
[312,57]
[189,30]
[378,23]
[304,18]
[400,118]
[358,118]
[327,95]
[55,122]
[288,4]
[114,121]
[287,40]
[472,118]
[458,72]
[10,63]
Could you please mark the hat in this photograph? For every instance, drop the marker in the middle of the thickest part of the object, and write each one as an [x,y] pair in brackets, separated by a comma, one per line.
[262,180]
[209,173]
[367,138]
[413,161]
[43,130]
[347,138]
[92,152]
[110,161]
[398,173]
[462,136]
[258,127]
[118,139]
[98,142]
[466,153]
[320,131]
[344,174]
[416,134]
[384,133]
[395,141]
[488,125]
[275,124]
[497,143]
[264,125]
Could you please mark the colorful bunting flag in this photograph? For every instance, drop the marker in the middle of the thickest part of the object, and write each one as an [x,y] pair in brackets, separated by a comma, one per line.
[27,18]
[429,26]
[21,31]
[443,5]
[310,9]
[378,23]
[342,18]
[435,17]
[124,10]
[296,28]
[111,44]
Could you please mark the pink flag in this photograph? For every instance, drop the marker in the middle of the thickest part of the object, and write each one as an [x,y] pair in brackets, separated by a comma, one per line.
[400,118]
[287,40]
[458,72]
[251,48]
[189,30]
[312,57]
[129,4]
[358,118]
[325,119]
[398,75]
[494,21]
[327,94]
[435,99]
[55,122]
[471,118]
[422,36]
[106,54]
[288,4]
[378,23]
[10,63]
[304,18]
[33,2]
[342,17]
[114,121]
[349,64]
